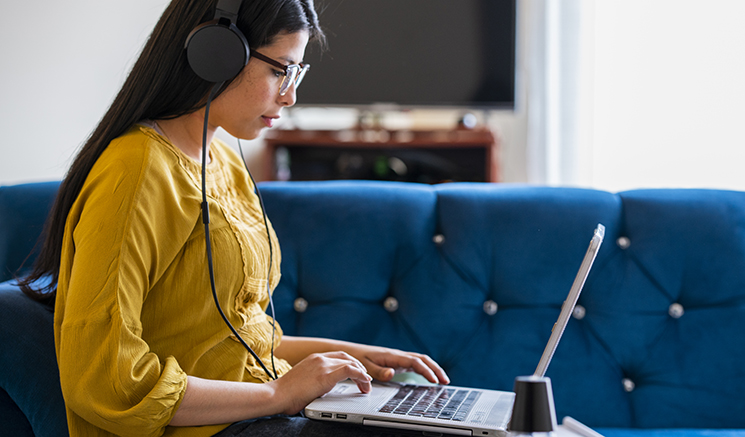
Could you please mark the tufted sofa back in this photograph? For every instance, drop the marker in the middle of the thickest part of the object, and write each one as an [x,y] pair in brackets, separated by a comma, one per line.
[475,274]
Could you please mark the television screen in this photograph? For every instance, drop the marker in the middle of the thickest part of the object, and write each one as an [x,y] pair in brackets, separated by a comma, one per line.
[413,53]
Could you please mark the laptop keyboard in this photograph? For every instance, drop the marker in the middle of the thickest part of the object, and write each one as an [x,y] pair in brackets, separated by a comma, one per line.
[433,402]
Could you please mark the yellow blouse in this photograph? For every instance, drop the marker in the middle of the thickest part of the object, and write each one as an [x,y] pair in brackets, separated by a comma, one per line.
[135,312]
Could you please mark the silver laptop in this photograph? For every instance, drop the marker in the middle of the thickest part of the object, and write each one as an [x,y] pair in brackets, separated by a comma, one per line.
[443,408]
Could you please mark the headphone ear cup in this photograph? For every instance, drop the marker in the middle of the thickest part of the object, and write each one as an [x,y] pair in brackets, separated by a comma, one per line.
[217,52]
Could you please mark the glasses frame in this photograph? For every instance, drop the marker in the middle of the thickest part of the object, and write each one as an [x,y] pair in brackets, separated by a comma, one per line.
[293,72]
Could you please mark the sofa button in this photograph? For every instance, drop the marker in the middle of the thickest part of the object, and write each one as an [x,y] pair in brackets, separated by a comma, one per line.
[438,239]
[623,242]
[390,304]
[300,305]
[628,385]
[676,310]
[490,307]
[579,312]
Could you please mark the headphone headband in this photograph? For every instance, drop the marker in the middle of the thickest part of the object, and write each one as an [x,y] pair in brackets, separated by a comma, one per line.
[228,9]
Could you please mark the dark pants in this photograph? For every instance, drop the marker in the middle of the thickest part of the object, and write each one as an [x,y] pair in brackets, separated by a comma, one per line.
[297,426]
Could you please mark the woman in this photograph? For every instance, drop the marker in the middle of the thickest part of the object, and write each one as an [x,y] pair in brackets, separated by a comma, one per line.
[141,348]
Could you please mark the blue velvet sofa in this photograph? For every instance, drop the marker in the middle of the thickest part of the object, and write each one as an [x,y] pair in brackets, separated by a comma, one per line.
[474,275]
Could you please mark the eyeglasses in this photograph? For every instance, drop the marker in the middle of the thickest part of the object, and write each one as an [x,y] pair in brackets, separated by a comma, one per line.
[294,73]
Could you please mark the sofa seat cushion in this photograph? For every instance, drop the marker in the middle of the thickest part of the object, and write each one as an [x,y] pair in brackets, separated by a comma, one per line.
[30,377]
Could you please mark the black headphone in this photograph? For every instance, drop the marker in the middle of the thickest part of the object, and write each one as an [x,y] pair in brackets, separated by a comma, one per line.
[217,50]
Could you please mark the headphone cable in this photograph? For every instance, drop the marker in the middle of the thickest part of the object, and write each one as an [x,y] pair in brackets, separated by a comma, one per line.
[271,249]
[206,221]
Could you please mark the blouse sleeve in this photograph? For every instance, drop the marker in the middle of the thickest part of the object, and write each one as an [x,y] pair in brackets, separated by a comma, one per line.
[128,223]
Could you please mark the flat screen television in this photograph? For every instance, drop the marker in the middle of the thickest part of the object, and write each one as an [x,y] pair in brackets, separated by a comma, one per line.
[413,53]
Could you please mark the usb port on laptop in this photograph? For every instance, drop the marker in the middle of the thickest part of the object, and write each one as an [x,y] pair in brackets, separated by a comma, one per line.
[341,416]
[326,415]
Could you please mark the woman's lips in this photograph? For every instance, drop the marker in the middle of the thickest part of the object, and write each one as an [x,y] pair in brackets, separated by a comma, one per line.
[268,121]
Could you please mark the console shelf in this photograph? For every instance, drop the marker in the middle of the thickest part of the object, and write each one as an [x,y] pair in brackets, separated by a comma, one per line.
[431,156]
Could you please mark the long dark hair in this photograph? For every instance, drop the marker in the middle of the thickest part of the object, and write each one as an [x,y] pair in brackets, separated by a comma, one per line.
[161,85]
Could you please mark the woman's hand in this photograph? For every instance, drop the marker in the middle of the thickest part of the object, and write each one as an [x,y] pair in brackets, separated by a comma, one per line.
[383,363]
[318,364]
[315,376]
[208,402]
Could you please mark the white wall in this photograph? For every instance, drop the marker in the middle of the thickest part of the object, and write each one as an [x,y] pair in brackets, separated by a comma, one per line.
[63,62]
[631,94]
[669,94]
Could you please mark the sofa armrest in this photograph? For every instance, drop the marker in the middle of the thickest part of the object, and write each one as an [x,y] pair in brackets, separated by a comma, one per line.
[23,211]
